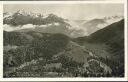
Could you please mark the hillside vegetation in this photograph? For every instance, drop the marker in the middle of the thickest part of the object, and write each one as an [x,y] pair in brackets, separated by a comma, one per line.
[33,53]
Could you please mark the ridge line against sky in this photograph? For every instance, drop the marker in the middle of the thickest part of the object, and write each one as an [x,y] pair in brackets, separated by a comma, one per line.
[70,11]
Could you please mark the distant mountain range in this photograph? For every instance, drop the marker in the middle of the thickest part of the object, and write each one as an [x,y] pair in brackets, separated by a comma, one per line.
[27,21]
[23,18]
[91,26]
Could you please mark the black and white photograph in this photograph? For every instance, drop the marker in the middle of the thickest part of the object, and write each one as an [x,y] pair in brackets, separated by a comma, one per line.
[63,40]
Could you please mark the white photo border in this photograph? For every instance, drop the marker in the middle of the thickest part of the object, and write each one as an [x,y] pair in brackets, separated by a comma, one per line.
[63,79]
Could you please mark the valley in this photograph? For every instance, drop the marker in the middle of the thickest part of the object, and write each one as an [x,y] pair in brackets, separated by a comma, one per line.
[39,46]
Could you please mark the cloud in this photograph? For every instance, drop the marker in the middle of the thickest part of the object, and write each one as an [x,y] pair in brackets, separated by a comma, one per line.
[12,28]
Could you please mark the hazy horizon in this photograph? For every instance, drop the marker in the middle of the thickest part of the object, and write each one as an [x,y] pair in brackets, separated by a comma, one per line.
[70,11]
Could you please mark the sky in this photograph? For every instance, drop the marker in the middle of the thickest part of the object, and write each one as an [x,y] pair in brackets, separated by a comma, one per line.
[70,11]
